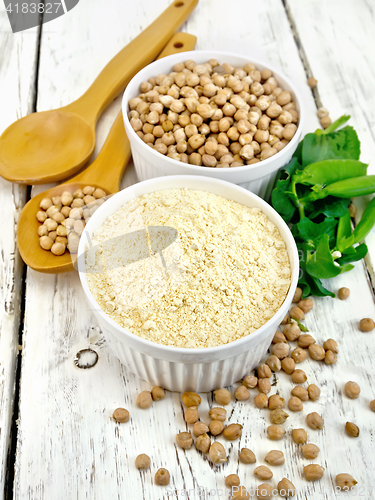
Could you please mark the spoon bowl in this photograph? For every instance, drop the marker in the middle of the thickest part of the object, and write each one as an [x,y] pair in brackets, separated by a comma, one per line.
[57,137]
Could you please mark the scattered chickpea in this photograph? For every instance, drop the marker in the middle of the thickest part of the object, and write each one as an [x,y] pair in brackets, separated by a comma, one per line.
[144,400]
[142,461]
[312,82]
[157,393]
[217,453]
[216,427]
[288,365]
[352,390]
[263,472]
[295,404]
[218,414]
[162,477]
[261,401]
[325,121]
[366,325]
[343,293]
[264,371]
[275,432]
[200,428]
[299,436]
[278,416]
[330,358]
[279,338]
[314,392]
[292,331]
[310,451]
[331,345]
[203,443]
[121,415]
[246,456]
[297,313]
[305,340]
[300,392]
[275,401]
[232,480]
[299,355]
[275,457]
[352,429]
[372,405]
[306,305]
[315,421]
[345,481]
[250,381]
[265,491]
[184,440]
[191,399]
[191,415]
[264,385]
[286,488]
[313,472]
[299,376]
[274,363]
[316,352]
[233,431]
[241,393]
[280,350]
[297,295]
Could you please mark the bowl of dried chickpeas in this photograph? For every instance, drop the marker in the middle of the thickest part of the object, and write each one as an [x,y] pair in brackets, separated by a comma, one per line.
[215,114]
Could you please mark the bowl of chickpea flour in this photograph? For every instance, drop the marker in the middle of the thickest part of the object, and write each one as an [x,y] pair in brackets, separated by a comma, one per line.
[215,114]
[189,278]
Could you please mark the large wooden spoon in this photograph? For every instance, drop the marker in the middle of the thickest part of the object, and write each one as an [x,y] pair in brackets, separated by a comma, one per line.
[53,145]
[105,172]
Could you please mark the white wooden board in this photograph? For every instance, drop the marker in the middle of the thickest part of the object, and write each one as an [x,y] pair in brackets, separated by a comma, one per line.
[68,446]
[17,74]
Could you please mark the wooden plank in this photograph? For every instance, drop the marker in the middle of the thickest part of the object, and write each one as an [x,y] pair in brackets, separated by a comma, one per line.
[337,47]
[17,75]
[68,445]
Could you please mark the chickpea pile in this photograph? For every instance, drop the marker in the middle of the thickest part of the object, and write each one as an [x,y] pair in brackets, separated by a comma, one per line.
[214,115]
[64,217]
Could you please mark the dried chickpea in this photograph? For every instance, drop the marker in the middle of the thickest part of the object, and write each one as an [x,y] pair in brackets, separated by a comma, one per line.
[121,415]
[331,345]
[315,421]
[314,392]
[286,488]
[343,293]
[310,451]
[218,414]
[191,415]
[246,456]
[232,480]
[184,440]
[233,431]
[325,121]
[292,331]
[352,390]
[162,477]
[275,432]
[46,242]
[312,82]
[264,371]
[299,355]
[261,400]
[278,416]
[297,313]
[144,400]
[42,231]
[203,443]
[366,324]
[299,376]
[45,203]
[222,396]
[41,216]
[217,453]
[313,472]
[345,482]
[278,338]
[58,248]
[372,405]
[191,399]
[142,461]
[275,457]
[216,427]
[299,436]
[280,350]
[265,491]
[306,305]
[297,295]
[300,392]
[305,340]
[352,429]
[264,385]
[288,365]
[275,401]
[241,393]
[157,393]
[330,358]
[200,428]
[263,472]
[274,363]
[295,404]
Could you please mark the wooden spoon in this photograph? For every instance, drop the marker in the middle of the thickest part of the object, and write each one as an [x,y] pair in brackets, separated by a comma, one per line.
[53,145]
[105,172]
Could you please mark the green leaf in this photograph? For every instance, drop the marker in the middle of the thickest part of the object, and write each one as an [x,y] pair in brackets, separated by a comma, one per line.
[336,124]
[362,229]
[353,254]
[308,230]
[329,171]
[346,267]
[343,144]
[309,284]
[344,230]
[280,197]
[330,206]
[321,264]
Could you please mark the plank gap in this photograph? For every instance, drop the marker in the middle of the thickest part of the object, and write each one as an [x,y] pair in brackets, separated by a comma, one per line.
[302,53]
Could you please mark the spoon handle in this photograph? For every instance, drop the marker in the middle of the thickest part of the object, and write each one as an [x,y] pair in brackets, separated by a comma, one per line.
[131,59]
[107,169]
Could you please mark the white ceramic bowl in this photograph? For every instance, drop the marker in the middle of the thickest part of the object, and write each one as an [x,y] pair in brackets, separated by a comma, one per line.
[149,163]
[180,369]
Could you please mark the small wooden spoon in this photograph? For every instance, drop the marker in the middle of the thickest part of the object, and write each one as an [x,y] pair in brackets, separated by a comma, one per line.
[105,172]
[53,145]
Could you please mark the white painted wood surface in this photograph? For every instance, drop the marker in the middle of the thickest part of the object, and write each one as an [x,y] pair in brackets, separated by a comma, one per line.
[68,446]
[17,75]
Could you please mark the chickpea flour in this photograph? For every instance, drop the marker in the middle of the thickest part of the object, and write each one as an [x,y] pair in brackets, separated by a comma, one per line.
[225,275]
